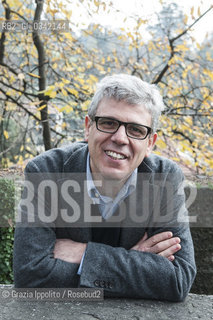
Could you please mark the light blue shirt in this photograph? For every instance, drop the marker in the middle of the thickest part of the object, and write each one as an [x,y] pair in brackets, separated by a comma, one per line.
[107,205]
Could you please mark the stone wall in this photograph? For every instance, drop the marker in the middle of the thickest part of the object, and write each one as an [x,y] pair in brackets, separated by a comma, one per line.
[194,307]
[202,234]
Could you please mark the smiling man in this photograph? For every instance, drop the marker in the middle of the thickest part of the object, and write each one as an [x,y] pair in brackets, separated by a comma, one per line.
[148,253]
[118,143]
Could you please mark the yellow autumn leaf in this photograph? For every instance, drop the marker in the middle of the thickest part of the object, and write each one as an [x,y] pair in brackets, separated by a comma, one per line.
[157,152]
[188,120]
[89,64]
[68,108]
[81,81]
[198,11]
[42,107]
[85,104]
[73,91]
[209,73]
[96,3]
[185,20]
[65,81]
[6,134]
[68,36]
[198,45]
[101,68]
[20,161]
[64,92]
[51,93]
[161,144]
[175,159]
[81,69]
[33,75]
[129,34]
[15,3]
[59,84]
[181,47]
[93,78]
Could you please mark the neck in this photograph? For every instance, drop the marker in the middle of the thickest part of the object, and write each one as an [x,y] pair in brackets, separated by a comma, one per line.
[109,188]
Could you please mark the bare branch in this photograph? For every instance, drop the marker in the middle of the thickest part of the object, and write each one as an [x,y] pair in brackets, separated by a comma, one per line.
[171,41]
[188,28]
[29,112]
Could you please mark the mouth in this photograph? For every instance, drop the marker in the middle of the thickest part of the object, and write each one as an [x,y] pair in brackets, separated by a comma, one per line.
[115,155]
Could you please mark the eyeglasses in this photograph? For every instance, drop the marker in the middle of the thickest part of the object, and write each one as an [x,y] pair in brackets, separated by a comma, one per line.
[133,130]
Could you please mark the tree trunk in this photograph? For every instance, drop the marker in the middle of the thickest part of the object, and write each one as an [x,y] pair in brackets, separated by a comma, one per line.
[42,78]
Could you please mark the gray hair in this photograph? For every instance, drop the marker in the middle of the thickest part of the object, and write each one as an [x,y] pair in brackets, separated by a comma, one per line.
[132,90]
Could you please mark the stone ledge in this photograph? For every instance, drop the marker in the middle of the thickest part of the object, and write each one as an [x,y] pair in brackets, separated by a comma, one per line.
[194,307]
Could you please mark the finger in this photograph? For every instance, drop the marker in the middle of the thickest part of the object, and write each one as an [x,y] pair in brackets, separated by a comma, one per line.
[138,244]
[170,251]
[159,237]
[144,237]
[171,258]
[164,245]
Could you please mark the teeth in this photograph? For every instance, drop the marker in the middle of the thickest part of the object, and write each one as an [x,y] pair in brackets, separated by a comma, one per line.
[115,155]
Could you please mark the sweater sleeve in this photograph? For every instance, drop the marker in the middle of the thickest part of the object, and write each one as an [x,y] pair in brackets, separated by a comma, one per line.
[34,264]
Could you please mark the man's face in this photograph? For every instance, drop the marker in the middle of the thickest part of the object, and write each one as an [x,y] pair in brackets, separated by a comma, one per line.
[103,165]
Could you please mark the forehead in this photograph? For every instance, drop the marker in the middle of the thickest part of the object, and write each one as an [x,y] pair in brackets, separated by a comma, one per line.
[124,111]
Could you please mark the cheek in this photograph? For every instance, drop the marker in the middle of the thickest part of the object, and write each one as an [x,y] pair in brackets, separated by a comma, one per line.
[140,151]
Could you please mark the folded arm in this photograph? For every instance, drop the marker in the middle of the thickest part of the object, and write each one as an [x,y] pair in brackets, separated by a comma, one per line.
[140,274]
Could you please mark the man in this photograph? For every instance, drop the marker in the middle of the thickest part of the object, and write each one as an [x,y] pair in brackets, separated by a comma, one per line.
[141,254]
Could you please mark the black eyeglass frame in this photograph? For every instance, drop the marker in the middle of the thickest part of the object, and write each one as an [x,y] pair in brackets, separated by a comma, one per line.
[125,124]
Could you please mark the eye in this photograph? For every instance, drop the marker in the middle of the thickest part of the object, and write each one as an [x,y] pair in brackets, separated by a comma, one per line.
[138,131]
[107,123]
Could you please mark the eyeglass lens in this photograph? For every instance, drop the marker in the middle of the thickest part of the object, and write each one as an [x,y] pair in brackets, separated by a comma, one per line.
[111,126]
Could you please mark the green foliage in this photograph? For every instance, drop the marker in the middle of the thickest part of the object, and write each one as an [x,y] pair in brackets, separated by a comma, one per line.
[9,134]
[7,204]
[7,196]
[6,253]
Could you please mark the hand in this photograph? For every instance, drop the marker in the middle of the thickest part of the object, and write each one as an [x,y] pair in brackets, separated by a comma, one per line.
[162,243]
[69,250]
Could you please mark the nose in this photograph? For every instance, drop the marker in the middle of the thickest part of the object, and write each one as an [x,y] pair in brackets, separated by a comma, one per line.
[120,136]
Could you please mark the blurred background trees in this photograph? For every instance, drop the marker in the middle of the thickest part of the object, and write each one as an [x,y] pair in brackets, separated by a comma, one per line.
[47,78]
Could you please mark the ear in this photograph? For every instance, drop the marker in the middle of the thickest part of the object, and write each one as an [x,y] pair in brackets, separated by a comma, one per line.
[87,127]
[151,144]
